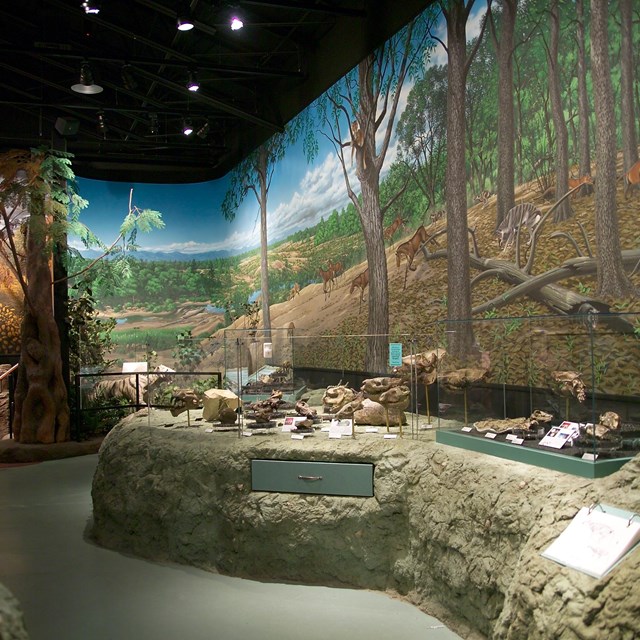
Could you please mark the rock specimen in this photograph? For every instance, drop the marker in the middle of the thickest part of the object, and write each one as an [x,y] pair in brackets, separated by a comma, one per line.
[336,396]
[215,400]
[567,384]
[396,399]
[463,379]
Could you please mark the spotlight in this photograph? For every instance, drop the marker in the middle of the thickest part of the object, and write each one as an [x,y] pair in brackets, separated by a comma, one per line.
[91,6]
[86,84]
[203,131]
[187,127]
[192,82]
[236,23]
[128,77]
[184,21]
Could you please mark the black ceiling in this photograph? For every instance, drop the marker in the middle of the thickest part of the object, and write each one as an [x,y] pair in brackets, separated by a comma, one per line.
[252,81]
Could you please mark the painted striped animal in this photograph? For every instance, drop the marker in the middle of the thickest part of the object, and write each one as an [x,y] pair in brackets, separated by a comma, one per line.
[134,388]
[522,215]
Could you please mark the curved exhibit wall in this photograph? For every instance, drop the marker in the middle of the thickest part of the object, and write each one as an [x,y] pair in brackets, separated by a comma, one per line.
[459,534]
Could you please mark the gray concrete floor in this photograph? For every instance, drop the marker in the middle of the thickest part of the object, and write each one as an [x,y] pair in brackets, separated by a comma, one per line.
[72,589]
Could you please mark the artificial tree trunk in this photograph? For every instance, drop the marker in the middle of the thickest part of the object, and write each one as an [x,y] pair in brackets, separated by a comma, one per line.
[42,410]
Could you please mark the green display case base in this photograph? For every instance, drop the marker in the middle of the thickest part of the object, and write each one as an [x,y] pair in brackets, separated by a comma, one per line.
[536,457]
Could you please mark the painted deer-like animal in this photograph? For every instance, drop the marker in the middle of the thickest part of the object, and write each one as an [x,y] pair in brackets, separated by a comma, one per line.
[409,249]
[393,227]
[631,179]
[361,281]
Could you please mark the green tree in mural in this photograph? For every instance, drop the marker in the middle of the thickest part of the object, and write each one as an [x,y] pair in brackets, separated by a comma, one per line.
[503,42]
[422,133]
[366,99]
[460,341]
[612,280]
[39,205]
[627,110]
[564,211]
[254,174]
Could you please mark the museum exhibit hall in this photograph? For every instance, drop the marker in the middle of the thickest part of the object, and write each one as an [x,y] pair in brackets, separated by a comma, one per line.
[319,318]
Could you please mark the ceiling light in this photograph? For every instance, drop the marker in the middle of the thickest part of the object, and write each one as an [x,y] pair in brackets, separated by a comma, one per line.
[192,82]
[128,77]
[184,20]
[86,84]
[236,23]
[187,127]
[91,6]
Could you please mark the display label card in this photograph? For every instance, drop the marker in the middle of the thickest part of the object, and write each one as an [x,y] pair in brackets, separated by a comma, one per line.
[426,426]
[390,436]
[490,435]
[557,437]
[466,429]
[209,430]
[395,354]
[371,430]
[592,457]
[517,440]
[134,367]
[298,436]
[291,422]
[247,434]
[510,436]
[344,427]
[267,350]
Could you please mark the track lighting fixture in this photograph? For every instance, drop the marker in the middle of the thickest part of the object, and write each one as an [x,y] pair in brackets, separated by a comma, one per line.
[153,124]
[102,124]
[192,82]
[203,131]
[187,127]
[128,77]
[86,84]
[184,20]
[91,6]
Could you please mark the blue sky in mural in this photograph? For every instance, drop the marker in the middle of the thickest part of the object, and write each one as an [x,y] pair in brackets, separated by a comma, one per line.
[300,195]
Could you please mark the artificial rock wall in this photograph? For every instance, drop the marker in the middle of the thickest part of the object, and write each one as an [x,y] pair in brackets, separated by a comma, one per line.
[457,533]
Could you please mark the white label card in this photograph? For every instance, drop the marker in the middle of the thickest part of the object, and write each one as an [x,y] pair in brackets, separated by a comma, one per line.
[209,430]
[466,429]
[510,436]
[590,456]
[490,435]
[518,440]
[371,430]
[390,436]
[247,434]
[297,436]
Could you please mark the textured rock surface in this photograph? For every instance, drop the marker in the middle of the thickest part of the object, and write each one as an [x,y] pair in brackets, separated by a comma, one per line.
[11,620]
[456,533]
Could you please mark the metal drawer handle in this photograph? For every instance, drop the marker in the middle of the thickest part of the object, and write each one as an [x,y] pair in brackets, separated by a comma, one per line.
[311,478]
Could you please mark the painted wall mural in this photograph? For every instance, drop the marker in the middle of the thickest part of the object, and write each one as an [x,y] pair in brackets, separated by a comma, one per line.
[450,175]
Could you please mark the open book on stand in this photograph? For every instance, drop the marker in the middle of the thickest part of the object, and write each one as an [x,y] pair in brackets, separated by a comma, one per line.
[596,539]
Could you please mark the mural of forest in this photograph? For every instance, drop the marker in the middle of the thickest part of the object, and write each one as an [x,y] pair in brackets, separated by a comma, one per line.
[482,164]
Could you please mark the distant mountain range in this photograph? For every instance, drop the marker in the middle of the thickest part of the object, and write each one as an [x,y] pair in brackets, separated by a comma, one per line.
[165,256]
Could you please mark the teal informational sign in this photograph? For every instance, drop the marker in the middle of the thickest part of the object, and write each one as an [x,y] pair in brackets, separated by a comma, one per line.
[395,354]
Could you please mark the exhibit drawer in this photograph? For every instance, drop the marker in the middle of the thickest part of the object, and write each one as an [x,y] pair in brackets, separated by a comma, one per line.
[325,478]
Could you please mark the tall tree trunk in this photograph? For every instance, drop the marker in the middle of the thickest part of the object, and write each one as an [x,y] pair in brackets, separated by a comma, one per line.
[563,212]
[612,280]
[506,135]
[458,270]
[42,410]
[372,225]
[627,111]
[264,263]
[584,150]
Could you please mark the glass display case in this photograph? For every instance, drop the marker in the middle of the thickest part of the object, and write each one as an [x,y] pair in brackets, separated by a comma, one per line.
[561,385]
